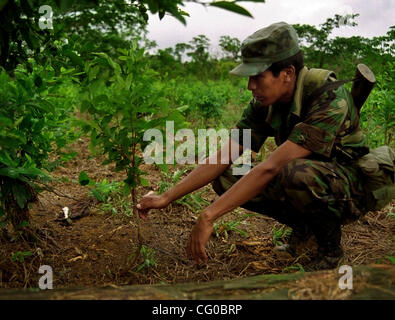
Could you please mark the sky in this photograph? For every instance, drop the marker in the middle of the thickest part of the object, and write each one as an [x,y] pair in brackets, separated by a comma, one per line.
[376,16]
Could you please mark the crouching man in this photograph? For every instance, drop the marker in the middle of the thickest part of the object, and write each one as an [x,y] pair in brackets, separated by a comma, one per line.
[311,181]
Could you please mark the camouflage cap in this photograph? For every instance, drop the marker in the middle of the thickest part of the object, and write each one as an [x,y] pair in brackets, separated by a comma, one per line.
[266,46]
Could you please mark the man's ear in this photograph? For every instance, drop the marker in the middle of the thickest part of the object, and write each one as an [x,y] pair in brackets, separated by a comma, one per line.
[289,73]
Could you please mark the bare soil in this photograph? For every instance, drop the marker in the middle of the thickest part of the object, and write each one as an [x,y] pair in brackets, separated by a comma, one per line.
[95,249]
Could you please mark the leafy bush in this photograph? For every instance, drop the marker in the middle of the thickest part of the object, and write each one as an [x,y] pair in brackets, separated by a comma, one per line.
[378,113]
[204,100]
[33,121]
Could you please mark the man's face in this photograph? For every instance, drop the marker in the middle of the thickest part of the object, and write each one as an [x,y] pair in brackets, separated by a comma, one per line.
[268,89]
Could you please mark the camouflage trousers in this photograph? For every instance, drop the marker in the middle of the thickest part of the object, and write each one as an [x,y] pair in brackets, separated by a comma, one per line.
[308,193]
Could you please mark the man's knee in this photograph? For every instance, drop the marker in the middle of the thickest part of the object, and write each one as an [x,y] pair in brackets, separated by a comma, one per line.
[298,174]
[304,183]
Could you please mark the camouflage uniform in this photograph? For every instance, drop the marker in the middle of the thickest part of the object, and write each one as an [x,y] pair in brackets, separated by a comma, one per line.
[320,192]
[324,190]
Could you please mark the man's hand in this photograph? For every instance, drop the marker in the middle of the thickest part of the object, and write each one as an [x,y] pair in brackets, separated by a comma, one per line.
[151,201]
[200,234]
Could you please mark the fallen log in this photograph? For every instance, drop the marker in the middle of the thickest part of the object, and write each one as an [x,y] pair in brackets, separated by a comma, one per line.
[368,282]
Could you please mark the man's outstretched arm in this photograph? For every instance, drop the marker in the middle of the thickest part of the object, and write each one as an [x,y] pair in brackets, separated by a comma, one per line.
[245,189]
[199,177]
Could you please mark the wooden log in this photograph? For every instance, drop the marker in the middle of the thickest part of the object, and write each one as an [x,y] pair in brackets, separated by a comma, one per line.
[362,86]
[369,282]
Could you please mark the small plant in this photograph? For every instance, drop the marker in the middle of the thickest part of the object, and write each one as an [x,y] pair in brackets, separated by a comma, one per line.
[169,180]
[390,259]
[34,121]
[279,235]
[226,227]
[104,190]
[294,267]
[194,201]
[231,249]
[123,99]
[109,194]
[148,255]
[20,255]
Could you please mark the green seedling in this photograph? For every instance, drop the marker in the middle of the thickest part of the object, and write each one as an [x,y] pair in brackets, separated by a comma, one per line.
[194,201]
[148,254]
[294,267]
[226,227]
[20,256]
[279,235]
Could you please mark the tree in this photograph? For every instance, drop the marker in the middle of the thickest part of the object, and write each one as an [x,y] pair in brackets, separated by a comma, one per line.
[125,97]
[316,42]
[231,47]
[180,49]
[199,49]
[21,35]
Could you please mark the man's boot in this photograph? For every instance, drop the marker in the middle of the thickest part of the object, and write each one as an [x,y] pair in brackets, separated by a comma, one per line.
[329,253]
[326,259]
[299,236]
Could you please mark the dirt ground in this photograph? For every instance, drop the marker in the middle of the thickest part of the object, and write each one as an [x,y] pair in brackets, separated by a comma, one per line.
[95,249]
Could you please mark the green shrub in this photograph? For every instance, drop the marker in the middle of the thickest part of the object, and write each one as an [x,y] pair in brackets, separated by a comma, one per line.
[33,122]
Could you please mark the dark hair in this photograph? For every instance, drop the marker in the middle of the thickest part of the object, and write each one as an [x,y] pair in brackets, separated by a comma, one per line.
[296,61]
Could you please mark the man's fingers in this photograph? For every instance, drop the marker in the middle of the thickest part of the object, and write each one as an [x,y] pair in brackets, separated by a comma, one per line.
[197,251]
[203,254]
[143,215]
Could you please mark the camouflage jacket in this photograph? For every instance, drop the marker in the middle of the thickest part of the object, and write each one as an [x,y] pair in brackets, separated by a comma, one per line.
[328,126]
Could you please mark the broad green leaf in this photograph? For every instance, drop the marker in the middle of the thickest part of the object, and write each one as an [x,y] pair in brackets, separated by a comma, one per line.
[5,122]
[83,178]
[6,159]
[144,182]
[98,195]
[15,173]
[21,194]
[126,189]
[231,6]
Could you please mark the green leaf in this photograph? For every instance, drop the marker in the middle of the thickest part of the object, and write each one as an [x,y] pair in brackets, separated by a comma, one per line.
[261,1]
[20,256]
[5,122]
[126,189]
[184,13]
[83,178]
[231,6]
[98,195]
[144,182]
[15,173]
[161,14]
[123,51]
[391,259]
[21,194]
[24,223]
[85,104]
[77,60]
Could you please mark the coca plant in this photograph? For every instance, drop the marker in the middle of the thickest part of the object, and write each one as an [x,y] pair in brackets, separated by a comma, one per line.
[34,117]
[124,97]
